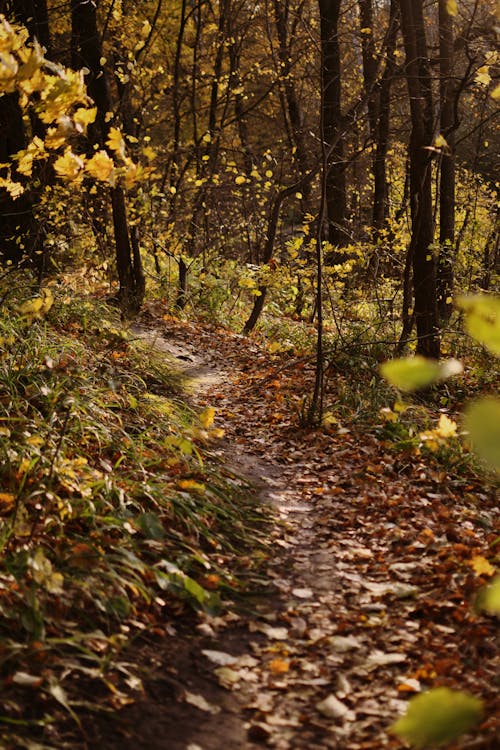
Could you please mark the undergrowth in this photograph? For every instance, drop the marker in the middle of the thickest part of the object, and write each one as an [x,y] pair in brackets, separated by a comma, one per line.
[113,515]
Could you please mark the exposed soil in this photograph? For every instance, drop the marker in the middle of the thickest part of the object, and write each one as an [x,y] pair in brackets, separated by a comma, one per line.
[372,584]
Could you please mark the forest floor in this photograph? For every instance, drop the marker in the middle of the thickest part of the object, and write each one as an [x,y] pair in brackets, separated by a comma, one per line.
[377,556]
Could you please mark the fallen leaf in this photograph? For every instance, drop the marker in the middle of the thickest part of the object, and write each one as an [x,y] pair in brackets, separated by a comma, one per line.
[227,677]
[276,634]
[380,659]
[332,708]
[304,593]
[199,701]
[221,658]
[343,643]
[279,666]
[481,566]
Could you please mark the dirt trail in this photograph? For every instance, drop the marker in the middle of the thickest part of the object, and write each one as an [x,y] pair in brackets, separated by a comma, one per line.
[373,592]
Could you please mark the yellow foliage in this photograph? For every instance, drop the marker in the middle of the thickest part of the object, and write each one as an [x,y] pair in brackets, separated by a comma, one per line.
[84,117]
[70,166]
[102,167]
[116,143]
[15,189]
[207,417]
[36,308]
[35,150]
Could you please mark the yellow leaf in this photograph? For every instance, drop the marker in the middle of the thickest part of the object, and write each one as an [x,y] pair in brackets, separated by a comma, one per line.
[217,433]
[279,666]
[483,76]
[440,141]
[191,485]
[481,566]
[15,189]
[496,93]
[115,142]
[102,167]
[146,29]
[451,7]
[70,166]
[84,116]
[31,306]
[446,427]
[207,417]
[240,179]
[150,153]
[7,500]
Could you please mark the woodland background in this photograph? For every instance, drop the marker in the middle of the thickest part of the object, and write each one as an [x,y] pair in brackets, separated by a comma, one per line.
[318,176]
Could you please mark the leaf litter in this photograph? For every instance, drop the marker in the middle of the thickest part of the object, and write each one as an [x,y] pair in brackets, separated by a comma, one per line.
[377,559]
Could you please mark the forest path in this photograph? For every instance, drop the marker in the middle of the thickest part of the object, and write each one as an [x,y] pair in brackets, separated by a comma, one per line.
[370,568]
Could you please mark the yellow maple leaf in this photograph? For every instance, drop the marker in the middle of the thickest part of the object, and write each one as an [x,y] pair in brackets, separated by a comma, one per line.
[84,116]
[69,166]
[481,566]
[102,167]
[446,427]
[115,142]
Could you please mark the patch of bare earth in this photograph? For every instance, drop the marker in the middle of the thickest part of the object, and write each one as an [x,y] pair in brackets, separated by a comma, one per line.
[372,573]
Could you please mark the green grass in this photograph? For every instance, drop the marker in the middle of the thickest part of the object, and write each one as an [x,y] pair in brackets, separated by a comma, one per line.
[113,515]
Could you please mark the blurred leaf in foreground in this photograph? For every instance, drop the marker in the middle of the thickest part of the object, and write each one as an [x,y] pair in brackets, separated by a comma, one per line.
[482,421]
[437,717]
[412,373]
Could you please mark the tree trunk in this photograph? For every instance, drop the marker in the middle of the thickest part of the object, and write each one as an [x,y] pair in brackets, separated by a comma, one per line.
[336,208]
[381,185]
[21,234]
[293,111]
[421,137]
[87,52]
[447,180]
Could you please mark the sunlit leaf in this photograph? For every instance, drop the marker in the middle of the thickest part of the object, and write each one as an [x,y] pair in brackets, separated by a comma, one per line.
[207,417]
[483,77]
[481,566]
[191,485]
[115,142]
[70,166]
[482,421]
[489,597]
[437,717]
[440,141]
[452,7]
[412,373]
[446,427]
[102,167]
[483,319]
[7,501]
